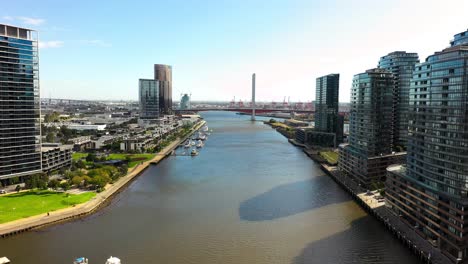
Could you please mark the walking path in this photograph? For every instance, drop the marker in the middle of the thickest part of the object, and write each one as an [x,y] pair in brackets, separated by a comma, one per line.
[21,225]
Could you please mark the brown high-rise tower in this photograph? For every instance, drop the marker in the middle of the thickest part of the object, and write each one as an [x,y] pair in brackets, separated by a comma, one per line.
[163,74]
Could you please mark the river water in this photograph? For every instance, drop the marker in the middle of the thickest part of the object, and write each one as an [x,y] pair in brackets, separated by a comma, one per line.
[249,197]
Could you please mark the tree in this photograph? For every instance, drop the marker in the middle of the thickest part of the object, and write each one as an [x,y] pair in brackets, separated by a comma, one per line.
[54,184]
[65,186]
[91,157]
[80,164]
[50,137]
[77,180]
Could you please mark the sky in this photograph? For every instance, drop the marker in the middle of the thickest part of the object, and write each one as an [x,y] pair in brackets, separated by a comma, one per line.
[99,49]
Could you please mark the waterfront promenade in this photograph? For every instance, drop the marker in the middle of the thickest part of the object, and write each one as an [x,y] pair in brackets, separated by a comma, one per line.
[37,221]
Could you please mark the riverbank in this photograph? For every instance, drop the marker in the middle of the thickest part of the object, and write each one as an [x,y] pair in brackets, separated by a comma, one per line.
[81,210]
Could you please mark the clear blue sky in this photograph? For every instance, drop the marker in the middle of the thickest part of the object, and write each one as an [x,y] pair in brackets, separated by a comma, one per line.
[99,49]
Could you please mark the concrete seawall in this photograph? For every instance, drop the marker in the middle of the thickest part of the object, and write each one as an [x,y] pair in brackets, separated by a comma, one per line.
[99,201]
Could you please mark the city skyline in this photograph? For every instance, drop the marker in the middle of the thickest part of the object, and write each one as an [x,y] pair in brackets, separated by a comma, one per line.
[213,47]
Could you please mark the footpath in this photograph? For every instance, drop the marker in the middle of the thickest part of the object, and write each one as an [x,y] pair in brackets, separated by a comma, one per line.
[80,210]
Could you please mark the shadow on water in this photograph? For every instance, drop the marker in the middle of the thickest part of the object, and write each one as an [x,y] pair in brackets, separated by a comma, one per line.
[363,242]
[292,198]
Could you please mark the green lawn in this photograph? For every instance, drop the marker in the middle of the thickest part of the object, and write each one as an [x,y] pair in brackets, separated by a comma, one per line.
[330,156]
[134,158]
[79,155]
[25,204]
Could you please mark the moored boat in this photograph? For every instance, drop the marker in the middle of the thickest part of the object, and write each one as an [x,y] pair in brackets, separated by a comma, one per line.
[113,260]
[194,152]
[81,260]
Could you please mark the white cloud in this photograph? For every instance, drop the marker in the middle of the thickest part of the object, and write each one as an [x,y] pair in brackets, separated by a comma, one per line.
[50,44]
[96,42]
[9,18]
[31,20]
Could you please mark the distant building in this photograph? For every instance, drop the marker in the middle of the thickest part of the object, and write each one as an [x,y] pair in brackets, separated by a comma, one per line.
[430,193]
[369,151]
[327,119]
[81,143]
[86,127]
[401,64]
[149,99]
[56,156]
[20,135]
[185,102]
[163,74]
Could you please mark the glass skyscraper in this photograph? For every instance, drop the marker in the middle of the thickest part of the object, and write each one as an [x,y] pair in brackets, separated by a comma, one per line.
[431,192]
[149,99]
[401,64]
[326,105]
[20,134]
[163,74]
[369,151]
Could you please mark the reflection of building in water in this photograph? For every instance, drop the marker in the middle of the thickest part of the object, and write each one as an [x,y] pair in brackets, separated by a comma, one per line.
[185,102]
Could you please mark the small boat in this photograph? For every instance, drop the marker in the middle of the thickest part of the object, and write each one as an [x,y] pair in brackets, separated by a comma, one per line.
[192,143]
[4,260]
[194,152]
[187,145]
[199,144]
[81,261]
[202,137]
[205,129]
[113,260]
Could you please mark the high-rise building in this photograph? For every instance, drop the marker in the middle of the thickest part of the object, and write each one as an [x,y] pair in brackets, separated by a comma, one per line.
[401,64]
[326,105]
[369,151]
[431,192]
[20,132]
[149,99]
[163,74]
[185,102]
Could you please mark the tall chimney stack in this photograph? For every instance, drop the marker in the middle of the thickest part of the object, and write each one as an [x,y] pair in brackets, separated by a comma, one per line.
[253,97]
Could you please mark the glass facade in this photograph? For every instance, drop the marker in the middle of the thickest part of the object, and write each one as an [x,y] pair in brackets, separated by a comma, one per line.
[149,99]
[401,64]
[369,151]
[163,74]
[326,105]
[20,134]
[432,191]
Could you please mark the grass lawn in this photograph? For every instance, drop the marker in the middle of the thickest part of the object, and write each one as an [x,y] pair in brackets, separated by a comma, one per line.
[79,155]
[25,204]
[330,156]
[278,124]
[134,158]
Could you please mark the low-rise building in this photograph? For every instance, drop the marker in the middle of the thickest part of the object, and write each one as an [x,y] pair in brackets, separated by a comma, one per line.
[56,156]
[138,143]
[81,143]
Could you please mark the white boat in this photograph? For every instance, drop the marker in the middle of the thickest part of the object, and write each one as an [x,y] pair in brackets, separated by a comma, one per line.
[4,260]
[205,129]
[194,152]
[80,261]
[199,144]
[113,260]
[192,143]
[202,137]
[187,145]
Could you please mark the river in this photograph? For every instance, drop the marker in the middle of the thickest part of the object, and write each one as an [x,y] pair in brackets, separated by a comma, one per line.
[248,197]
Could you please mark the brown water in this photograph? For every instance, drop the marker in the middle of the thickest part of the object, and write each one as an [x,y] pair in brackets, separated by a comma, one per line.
[249,197]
